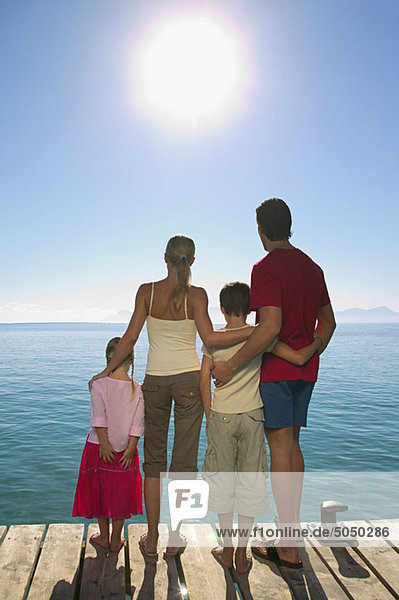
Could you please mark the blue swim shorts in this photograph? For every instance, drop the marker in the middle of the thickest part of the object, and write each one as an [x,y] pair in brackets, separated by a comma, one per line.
[285,403]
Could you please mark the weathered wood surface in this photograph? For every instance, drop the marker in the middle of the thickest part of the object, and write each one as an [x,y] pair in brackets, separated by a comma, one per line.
[65,567]
[390,542]
[313,581]
[3,530]
[205,578]
[57,570]
[18,554]
[103,575]
[152,579]
[348,568]
[383,561]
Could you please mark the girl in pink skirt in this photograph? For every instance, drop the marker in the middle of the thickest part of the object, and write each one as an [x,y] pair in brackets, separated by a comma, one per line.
[109,484]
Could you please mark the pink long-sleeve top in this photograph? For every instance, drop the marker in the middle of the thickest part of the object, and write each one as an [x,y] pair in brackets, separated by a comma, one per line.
[113,407]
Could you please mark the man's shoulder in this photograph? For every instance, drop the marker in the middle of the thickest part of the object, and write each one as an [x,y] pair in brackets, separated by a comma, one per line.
[309,260]
[262,264]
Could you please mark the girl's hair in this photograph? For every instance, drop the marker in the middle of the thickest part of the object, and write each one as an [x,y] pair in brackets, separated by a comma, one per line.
[180,252]
[109,352]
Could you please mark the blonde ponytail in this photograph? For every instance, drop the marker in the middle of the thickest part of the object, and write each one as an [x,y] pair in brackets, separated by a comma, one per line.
[180,252]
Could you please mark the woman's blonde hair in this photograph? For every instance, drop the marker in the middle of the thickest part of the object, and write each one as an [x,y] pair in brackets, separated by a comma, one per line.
[109,352]
[180,252]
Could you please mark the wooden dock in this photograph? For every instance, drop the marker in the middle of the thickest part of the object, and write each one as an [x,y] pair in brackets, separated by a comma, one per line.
[39,562]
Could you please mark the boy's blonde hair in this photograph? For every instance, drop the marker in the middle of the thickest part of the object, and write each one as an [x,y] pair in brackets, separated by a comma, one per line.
[109,352]
[180,252]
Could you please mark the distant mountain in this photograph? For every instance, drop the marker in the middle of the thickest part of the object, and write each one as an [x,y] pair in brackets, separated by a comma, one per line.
[380,314]
[122,316]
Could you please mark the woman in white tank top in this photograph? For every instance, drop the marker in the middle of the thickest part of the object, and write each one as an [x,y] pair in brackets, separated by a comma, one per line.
[174,311]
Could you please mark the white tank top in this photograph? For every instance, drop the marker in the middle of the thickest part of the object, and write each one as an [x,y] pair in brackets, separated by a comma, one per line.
[172,344]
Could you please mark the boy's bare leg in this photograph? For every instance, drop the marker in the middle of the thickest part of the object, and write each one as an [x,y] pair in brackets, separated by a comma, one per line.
[245,524]
[152,499]
[281,444]
[102,538]
[225,554]
[116,535]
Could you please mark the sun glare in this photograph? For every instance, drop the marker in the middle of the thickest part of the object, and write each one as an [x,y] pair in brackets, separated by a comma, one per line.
[189,68]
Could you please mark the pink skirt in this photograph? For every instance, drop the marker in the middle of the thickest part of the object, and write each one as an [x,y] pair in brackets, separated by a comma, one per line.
[107,489]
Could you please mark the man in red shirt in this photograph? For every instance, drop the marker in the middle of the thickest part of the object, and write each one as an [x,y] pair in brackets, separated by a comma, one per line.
[290,297]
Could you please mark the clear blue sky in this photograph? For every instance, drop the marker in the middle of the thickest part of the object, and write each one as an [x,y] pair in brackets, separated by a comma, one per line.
[92,187]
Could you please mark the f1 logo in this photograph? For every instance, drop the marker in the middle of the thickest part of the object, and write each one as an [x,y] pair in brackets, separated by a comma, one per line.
[188,499]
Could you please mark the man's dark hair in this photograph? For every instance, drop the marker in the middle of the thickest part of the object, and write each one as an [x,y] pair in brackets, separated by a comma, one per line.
[234,298]
[274,218]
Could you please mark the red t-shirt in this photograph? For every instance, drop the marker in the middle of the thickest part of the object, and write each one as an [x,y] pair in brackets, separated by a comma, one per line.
[289,279]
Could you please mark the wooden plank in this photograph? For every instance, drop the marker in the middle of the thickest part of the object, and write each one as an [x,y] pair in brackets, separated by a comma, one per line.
[205,578]
[264,581]
[206,540]
[57,570]
[3,530]
[103,574]
[18,554]
[381,522]
[382,560]
[153,579]
[347,567]
[313,581]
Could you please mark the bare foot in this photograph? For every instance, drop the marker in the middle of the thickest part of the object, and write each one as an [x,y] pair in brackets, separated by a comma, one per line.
[97,540]
[243,561]
[148,548]
[177,543]
[224,556]
[116,546]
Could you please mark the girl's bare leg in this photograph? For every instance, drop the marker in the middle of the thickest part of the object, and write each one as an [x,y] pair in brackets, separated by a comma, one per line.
[152,499]
[116,535]
[102,538]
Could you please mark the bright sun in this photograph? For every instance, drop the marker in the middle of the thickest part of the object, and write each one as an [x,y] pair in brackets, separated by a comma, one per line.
[189,68]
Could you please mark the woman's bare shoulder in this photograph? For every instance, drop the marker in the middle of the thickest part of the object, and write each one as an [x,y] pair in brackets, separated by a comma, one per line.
[197,294]
[144,293]
[144,287]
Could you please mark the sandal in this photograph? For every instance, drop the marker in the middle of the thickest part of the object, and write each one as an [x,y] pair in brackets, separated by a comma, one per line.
[142,545]
[270,553]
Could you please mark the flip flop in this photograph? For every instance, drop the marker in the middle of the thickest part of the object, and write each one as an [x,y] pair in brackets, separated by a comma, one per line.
[93,541]
[248,568]
[216,556]
[172,551]
[270,553]
[142,545]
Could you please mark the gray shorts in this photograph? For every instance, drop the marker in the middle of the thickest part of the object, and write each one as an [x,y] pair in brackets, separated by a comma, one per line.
[235,464]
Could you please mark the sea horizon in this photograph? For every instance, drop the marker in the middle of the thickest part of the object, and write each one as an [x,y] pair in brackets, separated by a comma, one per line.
[45,411]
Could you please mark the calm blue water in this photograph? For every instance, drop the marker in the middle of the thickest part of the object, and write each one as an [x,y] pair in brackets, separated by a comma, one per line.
[45,409]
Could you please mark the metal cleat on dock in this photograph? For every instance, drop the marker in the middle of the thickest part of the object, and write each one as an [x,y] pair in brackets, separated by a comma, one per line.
[329,532]
[329,509]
